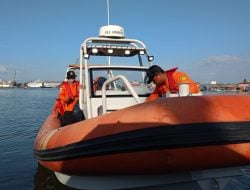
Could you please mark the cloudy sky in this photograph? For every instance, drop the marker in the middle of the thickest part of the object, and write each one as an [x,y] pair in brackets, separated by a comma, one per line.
[208,39]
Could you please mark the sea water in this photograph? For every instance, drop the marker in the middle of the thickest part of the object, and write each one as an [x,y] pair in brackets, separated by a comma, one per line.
[22,112]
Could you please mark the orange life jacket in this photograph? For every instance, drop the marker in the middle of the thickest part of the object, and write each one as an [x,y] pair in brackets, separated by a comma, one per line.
[172,84]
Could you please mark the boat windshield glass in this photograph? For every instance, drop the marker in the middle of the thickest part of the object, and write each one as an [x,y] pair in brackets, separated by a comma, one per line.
[135,78]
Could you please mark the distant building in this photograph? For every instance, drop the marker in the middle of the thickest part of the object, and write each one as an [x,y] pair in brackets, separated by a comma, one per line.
[213,82]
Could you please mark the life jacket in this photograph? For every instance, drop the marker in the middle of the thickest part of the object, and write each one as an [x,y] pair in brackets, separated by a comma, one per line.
[175,77]
[173,86]
[66,84]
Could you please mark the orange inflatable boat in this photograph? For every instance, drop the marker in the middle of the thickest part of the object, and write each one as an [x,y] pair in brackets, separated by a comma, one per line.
[121,134]
[172,134]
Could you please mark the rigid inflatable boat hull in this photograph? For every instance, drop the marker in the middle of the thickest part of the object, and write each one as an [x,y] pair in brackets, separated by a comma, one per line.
[167,135]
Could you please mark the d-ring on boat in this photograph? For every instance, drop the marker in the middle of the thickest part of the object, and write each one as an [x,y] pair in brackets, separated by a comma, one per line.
[126,143]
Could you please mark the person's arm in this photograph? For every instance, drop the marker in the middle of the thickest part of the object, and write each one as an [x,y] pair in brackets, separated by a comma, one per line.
[80,86]
[153,96]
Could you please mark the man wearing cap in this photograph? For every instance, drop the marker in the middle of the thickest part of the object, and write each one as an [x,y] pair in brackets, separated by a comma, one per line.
[69,96]
[167,81]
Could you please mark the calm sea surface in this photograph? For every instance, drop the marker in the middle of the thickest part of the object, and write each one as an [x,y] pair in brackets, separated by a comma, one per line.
[22,112]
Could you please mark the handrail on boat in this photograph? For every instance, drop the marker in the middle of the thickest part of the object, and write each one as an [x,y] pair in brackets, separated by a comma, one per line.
[127,84]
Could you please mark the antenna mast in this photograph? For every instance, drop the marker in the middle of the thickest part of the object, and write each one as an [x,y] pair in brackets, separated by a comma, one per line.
[110,74]
[107,2]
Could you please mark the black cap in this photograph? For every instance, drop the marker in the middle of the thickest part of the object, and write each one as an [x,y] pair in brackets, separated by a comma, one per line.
[151,72]
[71,75]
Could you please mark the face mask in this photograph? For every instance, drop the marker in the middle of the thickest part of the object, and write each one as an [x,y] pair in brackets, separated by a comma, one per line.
[71,80]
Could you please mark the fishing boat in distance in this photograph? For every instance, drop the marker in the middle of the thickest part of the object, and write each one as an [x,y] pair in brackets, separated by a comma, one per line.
[35,84]
[48,84]
[42,84]
[182,139]
[9,84]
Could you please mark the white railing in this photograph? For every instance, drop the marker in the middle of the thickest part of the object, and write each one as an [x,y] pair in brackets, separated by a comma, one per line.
[128,86]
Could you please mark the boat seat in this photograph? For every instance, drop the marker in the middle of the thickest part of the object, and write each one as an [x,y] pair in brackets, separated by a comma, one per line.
[114,103]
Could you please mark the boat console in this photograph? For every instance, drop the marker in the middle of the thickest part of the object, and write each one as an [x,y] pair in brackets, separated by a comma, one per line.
[123,63]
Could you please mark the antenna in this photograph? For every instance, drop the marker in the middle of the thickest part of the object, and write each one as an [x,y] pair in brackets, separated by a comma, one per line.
[109,59]
[107,1]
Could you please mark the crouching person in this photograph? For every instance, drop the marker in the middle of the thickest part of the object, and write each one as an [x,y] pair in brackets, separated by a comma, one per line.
[67,103]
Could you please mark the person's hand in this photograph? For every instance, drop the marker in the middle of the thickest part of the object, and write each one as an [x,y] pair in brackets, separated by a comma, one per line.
[81,86]
[69,100]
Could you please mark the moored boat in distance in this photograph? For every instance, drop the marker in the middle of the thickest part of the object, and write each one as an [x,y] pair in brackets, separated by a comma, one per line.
[35,84]
[7,84]
[50,84]
[127,143]
[41,84]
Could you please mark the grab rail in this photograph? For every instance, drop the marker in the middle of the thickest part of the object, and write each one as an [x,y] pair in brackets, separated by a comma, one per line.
[127,84]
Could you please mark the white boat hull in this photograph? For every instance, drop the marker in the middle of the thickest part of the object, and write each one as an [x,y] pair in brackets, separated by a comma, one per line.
[34,85]
[196,180]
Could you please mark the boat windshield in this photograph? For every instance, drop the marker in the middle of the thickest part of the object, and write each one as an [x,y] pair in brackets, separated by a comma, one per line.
[135,77]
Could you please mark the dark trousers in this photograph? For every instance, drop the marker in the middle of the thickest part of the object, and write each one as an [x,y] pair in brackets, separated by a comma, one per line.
[70,117]
[67,118]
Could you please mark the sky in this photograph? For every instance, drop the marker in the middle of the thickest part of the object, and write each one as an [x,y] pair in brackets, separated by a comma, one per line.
[208,39]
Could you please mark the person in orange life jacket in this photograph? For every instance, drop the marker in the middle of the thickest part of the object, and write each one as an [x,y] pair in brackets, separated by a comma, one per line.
[167,81]
[69,95]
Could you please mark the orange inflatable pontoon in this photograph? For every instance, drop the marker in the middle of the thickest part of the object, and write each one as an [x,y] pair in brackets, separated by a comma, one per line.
[174,134]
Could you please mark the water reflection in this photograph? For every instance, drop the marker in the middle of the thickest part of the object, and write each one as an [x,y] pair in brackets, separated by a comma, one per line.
[240,182]
[45,179]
